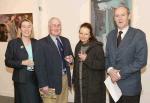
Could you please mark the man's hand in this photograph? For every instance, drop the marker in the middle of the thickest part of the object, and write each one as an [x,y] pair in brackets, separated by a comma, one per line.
[114,74]
[44,90]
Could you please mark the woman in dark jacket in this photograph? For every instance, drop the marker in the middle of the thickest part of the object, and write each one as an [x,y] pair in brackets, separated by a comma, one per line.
[89,68]
[20,55]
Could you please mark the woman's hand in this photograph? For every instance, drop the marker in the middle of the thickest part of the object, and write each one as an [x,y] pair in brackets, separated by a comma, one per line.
[69,59]
[28,62]
[82,56]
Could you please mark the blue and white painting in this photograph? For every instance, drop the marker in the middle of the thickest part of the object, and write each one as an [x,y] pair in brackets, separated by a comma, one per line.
[102,16]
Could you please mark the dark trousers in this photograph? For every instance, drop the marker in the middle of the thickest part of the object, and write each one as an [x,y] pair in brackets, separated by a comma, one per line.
[126,99]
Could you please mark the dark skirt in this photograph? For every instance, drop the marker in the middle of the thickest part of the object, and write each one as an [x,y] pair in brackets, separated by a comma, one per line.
[27,92]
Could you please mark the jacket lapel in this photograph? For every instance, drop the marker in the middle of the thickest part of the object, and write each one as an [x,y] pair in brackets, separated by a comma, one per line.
[52,44]
[64,46]
[127,39]
[124,44]
[114,41]
[23,49]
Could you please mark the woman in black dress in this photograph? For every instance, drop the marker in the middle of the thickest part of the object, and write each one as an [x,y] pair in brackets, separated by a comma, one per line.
[89,68]
[20,55]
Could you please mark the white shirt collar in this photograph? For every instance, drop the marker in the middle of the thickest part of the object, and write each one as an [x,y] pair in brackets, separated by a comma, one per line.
[124,30]
[54,39]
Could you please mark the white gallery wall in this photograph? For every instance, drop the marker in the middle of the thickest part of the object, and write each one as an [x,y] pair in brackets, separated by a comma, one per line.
[72,13]
[141,19]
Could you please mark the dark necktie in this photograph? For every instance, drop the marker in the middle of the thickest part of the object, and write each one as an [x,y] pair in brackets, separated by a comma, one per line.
[61,51]
[119,38]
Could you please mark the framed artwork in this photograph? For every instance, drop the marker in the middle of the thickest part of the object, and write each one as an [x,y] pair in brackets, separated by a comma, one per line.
[102,16]
[9,25]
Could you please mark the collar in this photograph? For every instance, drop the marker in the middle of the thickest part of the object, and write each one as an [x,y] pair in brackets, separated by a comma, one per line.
[124,30]
[54,39]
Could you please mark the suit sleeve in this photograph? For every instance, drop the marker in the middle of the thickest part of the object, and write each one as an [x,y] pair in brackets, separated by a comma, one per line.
[10,58]
[107,57]
[75,64]
[98,63]
[140,58]
[69,50]
[40,68]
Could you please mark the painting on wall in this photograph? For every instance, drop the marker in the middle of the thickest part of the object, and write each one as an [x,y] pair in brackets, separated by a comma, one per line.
[9,25]
[102,16]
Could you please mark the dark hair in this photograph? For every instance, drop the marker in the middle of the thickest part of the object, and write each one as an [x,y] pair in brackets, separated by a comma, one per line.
[2,25]
[88,26]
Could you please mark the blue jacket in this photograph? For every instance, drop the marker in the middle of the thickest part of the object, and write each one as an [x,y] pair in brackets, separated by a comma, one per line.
[129,58]
[49,65]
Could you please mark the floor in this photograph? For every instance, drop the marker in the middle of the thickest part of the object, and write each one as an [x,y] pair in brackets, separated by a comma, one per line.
[4,99]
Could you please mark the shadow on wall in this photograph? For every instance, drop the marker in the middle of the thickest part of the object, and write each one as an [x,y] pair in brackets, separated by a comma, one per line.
[9,70]
[143,70]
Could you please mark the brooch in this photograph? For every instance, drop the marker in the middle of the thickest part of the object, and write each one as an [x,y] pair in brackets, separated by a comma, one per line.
[21,46]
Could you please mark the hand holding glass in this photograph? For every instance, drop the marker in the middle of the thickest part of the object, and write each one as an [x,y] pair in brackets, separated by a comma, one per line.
[69,59]
[82,55]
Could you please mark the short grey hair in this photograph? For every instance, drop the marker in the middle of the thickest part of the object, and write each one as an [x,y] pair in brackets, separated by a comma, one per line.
[53,18]
[123,6]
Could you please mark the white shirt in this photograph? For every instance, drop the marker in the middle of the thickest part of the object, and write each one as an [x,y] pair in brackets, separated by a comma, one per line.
[54,40]
[124,30]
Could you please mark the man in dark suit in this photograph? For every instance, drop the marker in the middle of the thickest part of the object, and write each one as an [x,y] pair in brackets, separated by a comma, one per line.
[126,55]
[54,55]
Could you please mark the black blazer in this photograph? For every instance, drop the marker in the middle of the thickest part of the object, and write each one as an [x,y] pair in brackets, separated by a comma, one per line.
[49,65]
[14,55]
